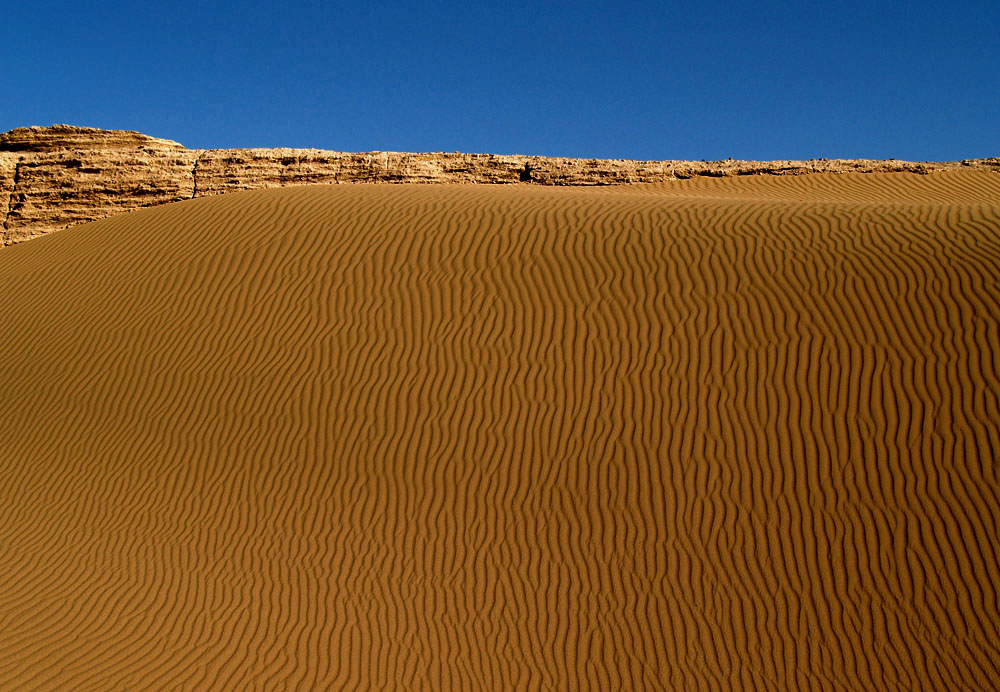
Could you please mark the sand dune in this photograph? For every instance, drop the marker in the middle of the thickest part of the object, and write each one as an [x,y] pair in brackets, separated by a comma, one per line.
[716,434]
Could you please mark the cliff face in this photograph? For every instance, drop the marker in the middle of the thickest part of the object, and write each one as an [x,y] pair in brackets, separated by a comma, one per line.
[54,177]
[59,176]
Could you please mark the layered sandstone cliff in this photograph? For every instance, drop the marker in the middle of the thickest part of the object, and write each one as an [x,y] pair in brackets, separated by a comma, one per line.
[59,176]
[55,177]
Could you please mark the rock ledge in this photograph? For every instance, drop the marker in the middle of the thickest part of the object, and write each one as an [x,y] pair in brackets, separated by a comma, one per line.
[58,176]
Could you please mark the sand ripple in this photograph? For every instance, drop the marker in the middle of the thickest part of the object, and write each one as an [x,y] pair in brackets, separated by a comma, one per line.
[734,434]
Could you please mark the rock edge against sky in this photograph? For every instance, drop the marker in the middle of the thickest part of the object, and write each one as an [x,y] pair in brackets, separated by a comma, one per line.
[55,177]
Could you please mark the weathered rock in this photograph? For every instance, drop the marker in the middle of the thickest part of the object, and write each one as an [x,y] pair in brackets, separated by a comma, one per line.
[66,175]
[54,177]
[63,137]
[8,174]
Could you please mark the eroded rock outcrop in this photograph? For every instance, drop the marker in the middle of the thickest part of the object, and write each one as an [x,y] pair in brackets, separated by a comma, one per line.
[62,175]
[55,177]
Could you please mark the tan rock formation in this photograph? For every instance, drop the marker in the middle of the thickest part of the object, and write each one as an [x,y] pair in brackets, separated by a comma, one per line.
[59,137]
[63,175]
[8,172]
[55,177]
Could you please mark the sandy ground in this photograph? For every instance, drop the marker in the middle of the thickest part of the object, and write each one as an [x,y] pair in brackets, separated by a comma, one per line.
[716,434]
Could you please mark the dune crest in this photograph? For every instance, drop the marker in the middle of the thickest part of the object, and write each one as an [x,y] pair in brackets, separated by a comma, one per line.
[717,434]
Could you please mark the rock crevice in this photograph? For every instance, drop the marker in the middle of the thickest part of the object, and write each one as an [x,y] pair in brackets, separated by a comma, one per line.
[12,196]
[194,176]
[55,177]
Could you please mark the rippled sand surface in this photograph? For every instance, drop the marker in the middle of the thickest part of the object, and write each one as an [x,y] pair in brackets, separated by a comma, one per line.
[734,434]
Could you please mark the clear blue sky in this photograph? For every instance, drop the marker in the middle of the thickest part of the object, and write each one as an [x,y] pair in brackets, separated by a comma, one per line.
[650,80]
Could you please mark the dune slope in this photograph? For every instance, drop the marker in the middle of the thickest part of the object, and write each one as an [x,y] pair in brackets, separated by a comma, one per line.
[734,434]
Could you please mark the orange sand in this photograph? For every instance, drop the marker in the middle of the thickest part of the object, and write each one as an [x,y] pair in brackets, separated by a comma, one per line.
[736,434]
